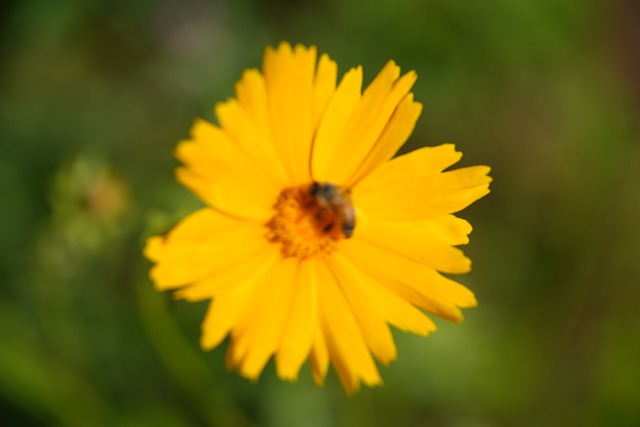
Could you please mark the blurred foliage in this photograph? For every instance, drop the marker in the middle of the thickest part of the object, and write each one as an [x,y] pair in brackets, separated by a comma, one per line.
[94,95]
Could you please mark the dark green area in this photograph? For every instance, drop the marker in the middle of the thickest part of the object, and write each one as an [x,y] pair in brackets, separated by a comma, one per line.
[95,94]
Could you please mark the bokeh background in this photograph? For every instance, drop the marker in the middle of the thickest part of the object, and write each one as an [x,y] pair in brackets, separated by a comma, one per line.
[95,94]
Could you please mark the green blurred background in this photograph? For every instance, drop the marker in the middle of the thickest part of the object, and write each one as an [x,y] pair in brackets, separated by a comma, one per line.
[94,96]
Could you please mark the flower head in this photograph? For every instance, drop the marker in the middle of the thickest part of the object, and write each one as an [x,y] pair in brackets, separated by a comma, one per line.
[314,240]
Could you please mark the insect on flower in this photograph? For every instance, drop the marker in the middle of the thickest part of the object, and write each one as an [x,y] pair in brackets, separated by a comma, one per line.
[336,207]
[314,239]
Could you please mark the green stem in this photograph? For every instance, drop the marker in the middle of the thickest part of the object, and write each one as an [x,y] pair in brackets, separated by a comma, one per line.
[186,365]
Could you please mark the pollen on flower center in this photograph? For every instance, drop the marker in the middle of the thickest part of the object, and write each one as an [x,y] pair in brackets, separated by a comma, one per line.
[310,220]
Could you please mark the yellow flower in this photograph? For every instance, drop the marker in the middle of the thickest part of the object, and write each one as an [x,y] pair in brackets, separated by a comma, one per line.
[314,241]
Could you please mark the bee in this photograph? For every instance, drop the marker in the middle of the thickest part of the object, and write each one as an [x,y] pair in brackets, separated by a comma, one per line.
[335,207]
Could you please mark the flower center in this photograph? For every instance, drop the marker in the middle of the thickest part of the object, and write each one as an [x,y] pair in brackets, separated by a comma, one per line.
[311,219]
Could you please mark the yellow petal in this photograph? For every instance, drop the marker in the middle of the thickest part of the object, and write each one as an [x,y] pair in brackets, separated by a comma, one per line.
[369,119]
[251,93]
[230,275]
[417,283]
[226,309]
[394,135]
[289,76]
[239,187]
[422,162]
[259,330]
[372,324]
[319,359]
[350,383]
[328,144]
[394,309]
[253,140]
[153,248]
[229,199]
[301,324]
[354,123]
[415,241]
[345,342]
[210,149]
[324,87]
[200,244]
[446,228]
[422,196]
[451,229]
